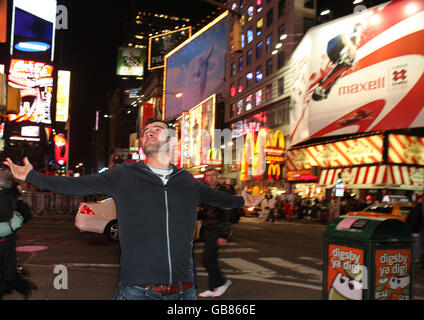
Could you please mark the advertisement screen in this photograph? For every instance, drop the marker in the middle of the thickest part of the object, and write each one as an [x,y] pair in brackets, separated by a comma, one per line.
[161,44]
[62,99]
[3,21]
[35,82]
[360,73]
[196,68]
[33,27]
[131,61]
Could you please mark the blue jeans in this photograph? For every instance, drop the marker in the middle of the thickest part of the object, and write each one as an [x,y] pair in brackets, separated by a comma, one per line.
[141,293]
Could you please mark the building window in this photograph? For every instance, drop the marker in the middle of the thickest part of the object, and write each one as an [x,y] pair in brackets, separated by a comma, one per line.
[248,102]
[239,107]
[268,71]
[308,4]
[242,20]
[240,63]
[282,32]
[269,17]
[249,78]
[268,92]
[249,35]
[281,59]
[233,110]
[234,6]
[249,57]
[233,90]
[240,85]
[258,97]
[281,86]
[233,69]
[250,12]
[259,49]
[281,7]
[259,26]
[259,5]
[259,74]
[243,39]
[269,43]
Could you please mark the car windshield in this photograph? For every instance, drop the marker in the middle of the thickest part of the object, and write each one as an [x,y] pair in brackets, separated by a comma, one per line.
[379,209]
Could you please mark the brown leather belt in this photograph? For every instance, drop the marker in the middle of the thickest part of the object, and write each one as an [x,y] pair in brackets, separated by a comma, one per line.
[168,289]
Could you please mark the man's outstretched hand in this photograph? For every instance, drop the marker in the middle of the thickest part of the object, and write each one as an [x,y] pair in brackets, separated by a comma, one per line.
[19,172]
[250,200]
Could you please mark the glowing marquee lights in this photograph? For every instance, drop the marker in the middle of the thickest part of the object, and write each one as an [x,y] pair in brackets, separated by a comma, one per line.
[35,80]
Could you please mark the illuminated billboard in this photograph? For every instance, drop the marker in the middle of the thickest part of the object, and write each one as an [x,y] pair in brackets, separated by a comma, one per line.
[161,44]
[360,151]
[196,68]
[3,21]
[131,61]
[33,28]
[35,82]
[197,133]
[360,73]
[62,99]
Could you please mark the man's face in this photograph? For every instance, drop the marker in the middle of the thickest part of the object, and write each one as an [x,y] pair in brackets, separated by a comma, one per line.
[155,135]
[211,178]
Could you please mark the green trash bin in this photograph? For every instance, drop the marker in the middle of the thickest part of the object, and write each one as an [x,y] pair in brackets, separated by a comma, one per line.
[368,259]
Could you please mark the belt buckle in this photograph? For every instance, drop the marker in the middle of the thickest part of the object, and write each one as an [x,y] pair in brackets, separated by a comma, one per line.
[165,289]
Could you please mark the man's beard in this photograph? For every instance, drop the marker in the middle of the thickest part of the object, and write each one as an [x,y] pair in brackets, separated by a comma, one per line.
[159,147]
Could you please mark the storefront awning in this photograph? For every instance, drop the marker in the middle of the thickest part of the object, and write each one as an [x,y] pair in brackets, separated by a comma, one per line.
[375,177]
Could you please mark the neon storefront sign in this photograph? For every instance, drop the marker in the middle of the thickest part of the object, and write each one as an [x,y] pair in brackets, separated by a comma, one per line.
[35,80]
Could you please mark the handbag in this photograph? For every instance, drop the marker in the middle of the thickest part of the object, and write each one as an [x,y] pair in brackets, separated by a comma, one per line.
[7,228]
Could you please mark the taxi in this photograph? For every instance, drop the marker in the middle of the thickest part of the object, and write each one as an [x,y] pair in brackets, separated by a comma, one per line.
[385,210]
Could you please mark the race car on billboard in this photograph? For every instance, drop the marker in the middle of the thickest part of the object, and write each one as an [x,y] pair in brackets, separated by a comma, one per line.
[341,51]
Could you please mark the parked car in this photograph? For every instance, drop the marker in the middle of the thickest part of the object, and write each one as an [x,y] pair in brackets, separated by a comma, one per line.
[387,210]
[98,217]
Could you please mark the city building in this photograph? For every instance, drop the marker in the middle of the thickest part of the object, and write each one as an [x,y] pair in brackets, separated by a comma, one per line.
[258,85]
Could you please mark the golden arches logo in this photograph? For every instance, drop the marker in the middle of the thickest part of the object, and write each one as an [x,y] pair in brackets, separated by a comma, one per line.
[214,156]
[274,170]
[254,152]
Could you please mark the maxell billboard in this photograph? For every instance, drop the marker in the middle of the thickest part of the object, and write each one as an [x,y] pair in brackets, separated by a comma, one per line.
[363,72]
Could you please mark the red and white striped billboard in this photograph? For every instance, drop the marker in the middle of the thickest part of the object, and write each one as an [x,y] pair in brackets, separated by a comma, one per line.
[367,150]
[406,149]
[383,176]
[360,73]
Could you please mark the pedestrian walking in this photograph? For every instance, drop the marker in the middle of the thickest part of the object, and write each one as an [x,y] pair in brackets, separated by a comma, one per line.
[271,209]
[218,227]
[288,211]
[156,204]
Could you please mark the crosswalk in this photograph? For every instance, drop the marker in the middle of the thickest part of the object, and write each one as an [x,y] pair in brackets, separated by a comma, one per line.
[305,272]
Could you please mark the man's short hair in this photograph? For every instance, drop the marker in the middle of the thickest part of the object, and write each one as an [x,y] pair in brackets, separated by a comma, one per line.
[210,168]
[151,120]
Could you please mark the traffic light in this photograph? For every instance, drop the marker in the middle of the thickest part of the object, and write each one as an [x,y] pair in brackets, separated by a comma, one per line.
[235,43]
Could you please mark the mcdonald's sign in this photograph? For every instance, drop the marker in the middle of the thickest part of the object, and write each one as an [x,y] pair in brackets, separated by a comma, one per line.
[274,171]
[268,148]
[214,157]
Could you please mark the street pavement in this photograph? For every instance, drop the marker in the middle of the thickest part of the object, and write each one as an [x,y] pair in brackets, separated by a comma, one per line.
[264,261]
